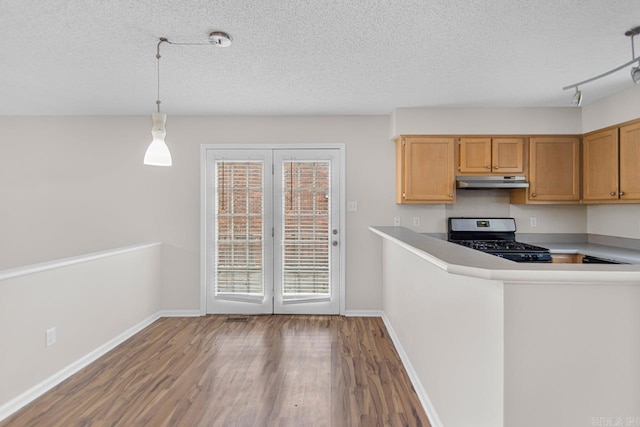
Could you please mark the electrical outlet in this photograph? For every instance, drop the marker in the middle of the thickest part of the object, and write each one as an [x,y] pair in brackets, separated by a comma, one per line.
[533,221]
[416,221]
[396,221]
[50,335]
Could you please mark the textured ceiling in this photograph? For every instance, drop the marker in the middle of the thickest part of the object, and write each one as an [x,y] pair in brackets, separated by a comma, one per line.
[97,57]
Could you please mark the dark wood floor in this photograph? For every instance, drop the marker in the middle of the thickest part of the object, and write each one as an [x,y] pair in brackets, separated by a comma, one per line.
[218,371]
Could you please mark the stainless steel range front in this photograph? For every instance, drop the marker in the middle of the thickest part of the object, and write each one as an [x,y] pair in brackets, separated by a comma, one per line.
[495,236]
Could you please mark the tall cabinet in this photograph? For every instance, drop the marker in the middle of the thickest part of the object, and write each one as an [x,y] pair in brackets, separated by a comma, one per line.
[611,159]
[425,169]
[630,162]
[600,156]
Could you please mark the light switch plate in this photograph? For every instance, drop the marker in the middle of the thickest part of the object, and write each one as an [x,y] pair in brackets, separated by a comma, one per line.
[50,335]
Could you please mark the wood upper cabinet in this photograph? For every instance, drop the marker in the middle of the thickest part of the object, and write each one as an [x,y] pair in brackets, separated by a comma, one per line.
[425,169]
[630,162]
[499,156]
[600,170]
[554,171]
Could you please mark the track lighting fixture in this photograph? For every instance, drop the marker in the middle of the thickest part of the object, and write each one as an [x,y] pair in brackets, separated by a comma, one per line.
[577,98]
[158,153]
[635,71]
[635,74]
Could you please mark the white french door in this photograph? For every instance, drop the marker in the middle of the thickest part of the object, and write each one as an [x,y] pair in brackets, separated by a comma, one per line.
[272,231]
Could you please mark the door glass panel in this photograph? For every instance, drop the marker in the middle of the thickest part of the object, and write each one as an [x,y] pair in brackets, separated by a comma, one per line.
[306,196]
[239,249]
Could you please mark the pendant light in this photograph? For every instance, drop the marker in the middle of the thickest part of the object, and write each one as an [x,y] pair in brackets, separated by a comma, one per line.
[158,153]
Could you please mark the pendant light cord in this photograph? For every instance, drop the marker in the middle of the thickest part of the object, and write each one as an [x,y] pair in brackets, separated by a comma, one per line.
[162,40]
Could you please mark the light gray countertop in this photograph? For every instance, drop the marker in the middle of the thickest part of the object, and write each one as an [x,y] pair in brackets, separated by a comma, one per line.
[593,249]
[457,259]
[614,248]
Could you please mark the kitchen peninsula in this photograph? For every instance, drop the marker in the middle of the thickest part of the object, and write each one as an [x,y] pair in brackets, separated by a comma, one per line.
[498,343]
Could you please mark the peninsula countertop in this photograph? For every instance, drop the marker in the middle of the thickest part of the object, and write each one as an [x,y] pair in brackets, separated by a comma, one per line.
[461,260]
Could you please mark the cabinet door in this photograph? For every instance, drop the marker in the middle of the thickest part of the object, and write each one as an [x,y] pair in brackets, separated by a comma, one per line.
[600,173]
[428,170]
[630,162]
[507,155]
[554,169]
[475,155]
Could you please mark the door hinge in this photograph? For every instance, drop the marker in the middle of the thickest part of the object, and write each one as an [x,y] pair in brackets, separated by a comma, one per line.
[273,169]
[272,232]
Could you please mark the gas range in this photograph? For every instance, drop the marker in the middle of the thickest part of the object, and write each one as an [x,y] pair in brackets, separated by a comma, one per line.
[495,236]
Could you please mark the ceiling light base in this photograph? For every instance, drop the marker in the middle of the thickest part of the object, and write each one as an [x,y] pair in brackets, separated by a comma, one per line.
[632,32]
[220,39]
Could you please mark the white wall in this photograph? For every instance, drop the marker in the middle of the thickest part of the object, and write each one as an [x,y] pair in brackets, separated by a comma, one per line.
[75,185]
[88,301]
[451,329]
[617,108]
[436,121]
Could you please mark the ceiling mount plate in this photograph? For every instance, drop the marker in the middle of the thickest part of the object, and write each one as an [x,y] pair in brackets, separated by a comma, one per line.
[632,32]
[220,39]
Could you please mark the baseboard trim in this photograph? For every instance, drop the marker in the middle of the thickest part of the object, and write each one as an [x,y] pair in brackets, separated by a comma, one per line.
[363,313]
[434,419]
[36,391]
[180,313]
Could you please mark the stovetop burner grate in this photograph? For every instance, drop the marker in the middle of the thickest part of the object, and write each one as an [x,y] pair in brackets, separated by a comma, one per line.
[495,236]
[499,245]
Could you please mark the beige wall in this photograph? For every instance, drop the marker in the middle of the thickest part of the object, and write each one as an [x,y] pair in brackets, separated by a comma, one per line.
[72,185]
[75,185]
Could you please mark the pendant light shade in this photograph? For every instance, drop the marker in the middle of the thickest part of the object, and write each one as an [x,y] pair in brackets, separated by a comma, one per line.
[158,153]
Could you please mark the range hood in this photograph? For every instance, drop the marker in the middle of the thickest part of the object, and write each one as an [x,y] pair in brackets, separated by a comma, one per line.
[487,182]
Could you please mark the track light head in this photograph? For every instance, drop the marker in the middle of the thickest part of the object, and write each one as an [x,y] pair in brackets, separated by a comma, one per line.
[635,74]
[577,98]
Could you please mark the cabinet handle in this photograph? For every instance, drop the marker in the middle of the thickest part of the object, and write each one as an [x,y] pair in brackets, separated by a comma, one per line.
[488,166]
[622,193]
[496,167]
[613,193]
[533,194]
[450,194]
